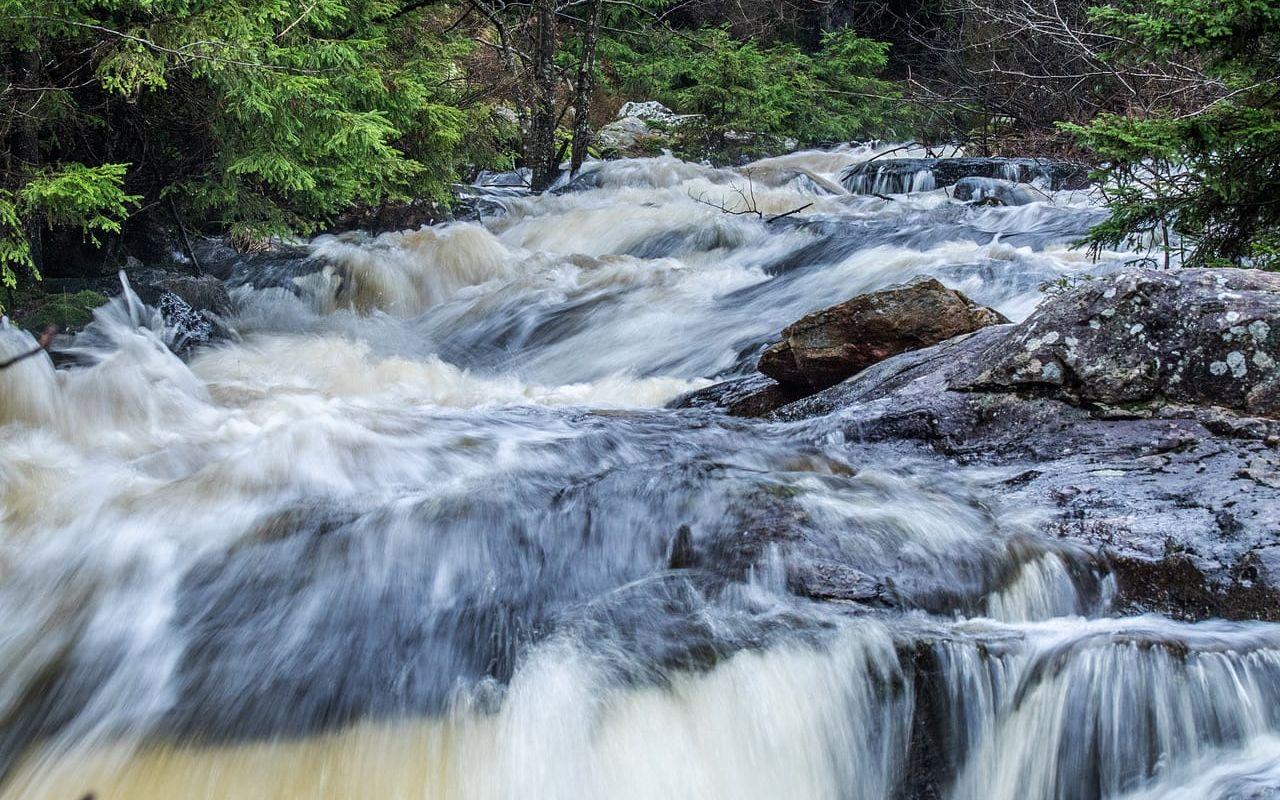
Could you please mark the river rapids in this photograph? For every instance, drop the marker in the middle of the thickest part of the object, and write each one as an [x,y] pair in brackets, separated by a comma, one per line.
[425,530]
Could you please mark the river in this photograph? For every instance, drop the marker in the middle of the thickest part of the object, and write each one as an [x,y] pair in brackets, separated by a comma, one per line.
[426,530]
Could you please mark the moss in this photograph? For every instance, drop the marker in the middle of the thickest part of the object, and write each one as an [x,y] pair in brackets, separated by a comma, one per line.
[69,312]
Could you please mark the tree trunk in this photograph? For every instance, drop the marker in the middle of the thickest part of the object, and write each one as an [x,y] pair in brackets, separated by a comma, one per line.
[542,134]
[583,90]
[26,145]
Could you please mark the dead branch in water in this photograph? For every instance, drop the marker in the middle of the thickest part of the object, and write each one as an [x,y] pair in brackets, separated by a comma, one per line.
[748,199]
[789,213]
[42,343]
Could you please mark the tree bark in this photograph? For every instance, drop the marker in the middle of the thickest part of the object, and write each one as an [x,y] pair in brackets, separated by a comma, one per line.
[26,145]
[542,135]
[584,89]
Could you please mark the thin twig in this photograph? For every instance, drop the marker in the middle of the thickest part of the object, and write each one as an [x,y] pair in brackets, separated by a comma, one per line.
[789,213]
[42,343]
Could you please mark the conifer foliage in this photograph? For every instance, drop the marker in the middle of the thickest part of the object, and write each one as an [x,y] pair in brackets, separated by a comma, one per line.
[254,116]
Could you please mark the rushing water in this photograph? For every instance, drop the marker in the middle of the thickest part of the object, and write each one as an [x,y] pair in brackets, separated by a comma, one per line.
[425,531]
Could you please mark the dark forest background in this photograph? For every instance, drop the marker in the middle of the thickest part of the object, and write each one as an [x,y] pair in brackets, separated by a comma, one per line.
[262,119]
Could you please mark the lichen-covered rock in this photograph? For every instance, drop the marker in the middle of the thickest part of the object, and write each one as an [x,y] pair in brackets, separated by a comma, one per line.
[1145,336]
[825,347]
[648,110]
[1180,501]
[629,137]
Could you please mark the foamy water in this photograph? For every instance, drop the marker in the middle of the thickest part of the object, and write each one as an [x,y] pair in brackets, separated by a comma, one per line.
[425,531]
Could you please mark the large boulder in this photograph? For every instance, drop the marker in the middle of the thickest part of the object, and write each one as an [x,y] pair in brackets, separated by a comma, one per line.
[649,111]
[825,347]
[900,175]
[1119,409]
[1205,337]
[630,137]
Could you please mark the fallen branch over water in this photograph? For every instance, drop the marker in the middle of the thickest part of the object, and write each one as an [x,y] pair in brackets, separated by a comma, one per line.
[789,213]
[42,343]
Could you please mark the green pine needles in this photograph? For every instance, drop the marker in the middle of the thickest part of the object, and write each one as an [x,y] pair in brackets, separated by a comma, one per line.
[1202,180]
[262,117]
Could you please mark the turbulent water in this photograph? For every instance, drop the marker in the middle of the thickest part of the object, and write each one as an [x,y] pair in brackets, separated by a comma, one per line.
[425,531]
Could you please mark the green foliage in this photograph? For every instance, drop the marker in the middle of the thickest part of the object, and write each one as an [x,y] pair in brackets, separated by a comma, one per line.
[69,312]
[89,198]
[267,117]
[770,91]
[1205,180]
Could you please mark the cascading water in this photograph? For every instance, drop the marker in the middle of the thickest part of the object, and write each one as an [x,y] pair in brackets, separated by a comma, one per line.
[425,531]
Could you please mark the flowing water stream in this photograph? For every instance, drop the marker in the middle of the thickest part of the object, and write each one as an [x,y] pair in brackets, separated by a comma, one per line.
[426,531]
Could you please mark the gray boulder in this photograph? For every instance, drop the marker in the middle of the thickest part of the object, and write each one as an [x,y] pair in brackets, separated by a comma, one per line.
[648,110]
[629,137]
[1119,407]
[1203,337]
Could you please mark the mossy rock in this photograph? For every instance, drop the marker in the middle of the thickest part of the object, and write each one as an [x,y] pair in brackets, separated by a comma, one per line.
[68,311]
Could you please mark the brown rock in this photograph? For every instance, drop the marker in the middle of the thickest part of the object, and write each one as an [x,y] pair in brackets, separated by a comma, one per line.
[825,347]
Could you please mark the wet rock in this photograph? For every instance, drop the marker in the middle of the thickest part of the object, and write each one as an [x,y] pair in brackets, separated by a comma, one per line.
[825,347]
[682,554]
[899,175]
[202,293]
[1175,587]
[1147,337]
[752,396]
[799,180]
[189,327]
[994,191]
[585,180]
[823,580]
[1179,498]
[519,177]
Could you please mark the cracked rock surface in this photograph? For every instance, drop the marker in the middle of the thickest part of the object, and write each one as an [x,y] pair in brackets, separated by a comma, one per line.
[1139,409]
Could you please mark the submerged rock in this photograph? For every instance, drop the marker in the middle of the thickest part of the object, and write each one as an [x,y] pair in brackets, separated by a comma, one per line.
[900,175]
[825,347]
[752,396]
[519,177]
[994,191]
